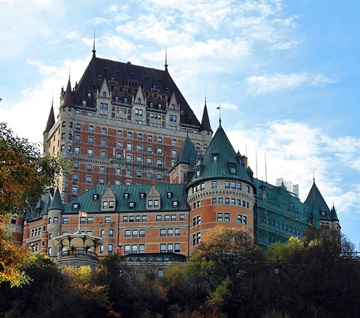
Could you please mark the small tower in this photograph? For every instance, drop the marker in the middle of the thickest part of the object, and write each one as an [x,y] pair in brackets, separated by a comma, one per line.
[54,222]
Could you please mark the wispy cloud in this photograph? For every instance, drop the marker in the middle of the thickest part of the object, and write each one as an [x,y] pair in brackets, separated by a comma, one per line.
[295,150]
[266,84]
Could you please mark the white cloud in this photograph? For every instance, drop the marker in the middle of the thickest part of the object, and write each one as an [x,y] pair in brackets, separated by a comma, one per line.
[33,109]
[294,151]
[265,84]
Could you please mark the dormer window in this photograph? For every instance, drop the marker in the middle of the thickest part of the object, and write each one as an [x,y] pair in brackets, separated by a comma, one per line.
[175,204]
[198,173]
[95,197]
[215,157]
[142,195]
[169,194]
[131,205]
[75,206]
[126,196]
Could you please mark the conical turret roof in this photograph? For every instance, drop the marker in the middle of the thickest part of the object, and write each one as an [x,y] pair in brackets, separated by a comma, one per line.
[187,152]
[56,203]
[221,160]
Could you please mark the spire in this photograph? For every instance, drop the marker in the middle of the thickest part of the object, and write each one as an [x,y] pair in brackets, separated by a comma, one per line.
[219,108]
[166,64]
[68,100]
[51,119]
[94,50]
[205,122]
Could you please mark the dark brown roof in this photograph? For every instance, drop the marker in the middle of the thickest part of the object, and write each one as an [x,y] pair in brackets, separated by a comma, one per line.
[123,80]
[51,120]
[205,122]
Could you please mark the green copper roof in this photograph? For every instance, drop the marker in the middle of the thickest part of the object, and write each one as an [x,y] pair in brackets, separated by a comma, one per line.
[56,203]
[187,152]
[316,201]
[220,161]
[90,201]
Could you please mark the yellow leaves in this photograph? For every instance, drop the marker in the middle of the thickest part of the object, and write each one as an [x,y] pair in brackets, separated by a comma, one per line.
[281,252]
[13,259]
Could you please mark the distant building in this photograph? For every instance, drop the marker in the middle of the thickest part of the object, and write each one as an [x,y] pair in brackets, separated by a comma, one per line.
[149,178]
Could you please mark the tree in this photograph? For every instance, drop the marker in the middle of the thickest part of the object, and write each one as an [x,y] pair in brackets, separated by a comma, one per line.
[24,174]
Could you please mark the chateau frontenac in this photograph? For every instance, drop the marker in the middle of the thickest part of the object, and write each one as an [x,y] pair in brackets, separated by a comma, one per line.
[148,178]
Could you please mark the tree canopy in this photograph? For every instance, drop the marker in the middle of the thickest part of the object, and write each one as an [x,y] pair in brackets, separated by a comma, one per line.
[24,174]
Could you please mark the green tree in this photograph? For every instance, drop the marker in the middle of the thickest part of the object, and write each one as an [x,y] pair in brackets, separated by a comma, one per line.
[24,174]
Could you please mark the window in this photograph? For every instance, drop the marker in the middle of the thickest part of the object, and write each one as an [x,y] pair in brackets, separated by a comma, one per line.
[76,166]
[177,247]
[227,184]
[90,152]
[119,133]
[103,154]
[107,219]
[158,218]
[197,146]
[65,220]
[214,184]
[74,190]
[129,157]
[88,179]
[110,248]
[91,129]
[159,162]
[174,142]
[162,232]
[88,167]
[75,177]
[104,130]
[101,181]
[77,138]
[102,233]
[160,140]
[90,140]
[56,219]
[220,217]
[159,177]
[129,134]
[163,248]
[196,239]
[117,171]
[149,149]
[196,220]
[129,146]
[173,153]
[103,142]
[159,151]
[78,127]
[90,219]
[177,232]
[149,138]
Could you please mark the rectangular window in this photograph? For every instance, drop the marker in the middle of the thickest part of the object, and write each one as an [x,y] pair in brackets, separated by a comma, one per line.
[65,220]
[162,232]
[107,219]
[111,233]
[214,184]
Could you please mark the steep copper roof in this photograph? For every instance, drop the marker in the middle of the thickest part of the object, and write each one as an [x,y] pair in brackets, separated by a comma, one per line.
[316,201]
[220,161]
[187,152]
[56,203]
[124,78]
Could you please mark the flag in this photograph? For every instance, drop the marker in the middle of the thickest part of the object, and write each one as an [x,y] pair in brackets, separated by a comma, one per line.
[82,213]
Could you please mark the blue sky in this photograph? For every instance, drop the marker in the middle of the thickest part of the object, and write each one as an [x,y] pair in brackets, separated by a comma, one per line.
[284,72]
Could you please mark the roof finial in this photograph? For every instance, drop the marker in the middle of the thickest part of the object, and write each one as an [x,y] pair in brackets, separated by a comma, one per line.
[219,108]
[166,64]
[94,50]
[313,176]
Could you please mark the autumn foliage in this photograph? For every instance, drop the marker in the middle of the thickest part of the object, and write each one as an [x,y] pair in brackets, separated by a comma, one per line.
[24,174]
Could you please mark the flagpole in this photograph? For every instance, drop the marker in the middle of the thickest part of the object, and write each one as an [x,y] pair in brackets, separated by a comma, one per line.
[79,222]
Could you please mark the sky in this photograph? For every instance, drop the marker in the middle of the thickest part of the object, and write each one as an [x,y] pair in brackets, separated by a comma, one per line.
[285,73]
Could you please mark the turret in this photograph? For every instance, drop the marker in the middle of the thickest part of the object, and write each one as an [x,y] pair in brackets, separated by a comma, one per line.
[220,191]
[54,222]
